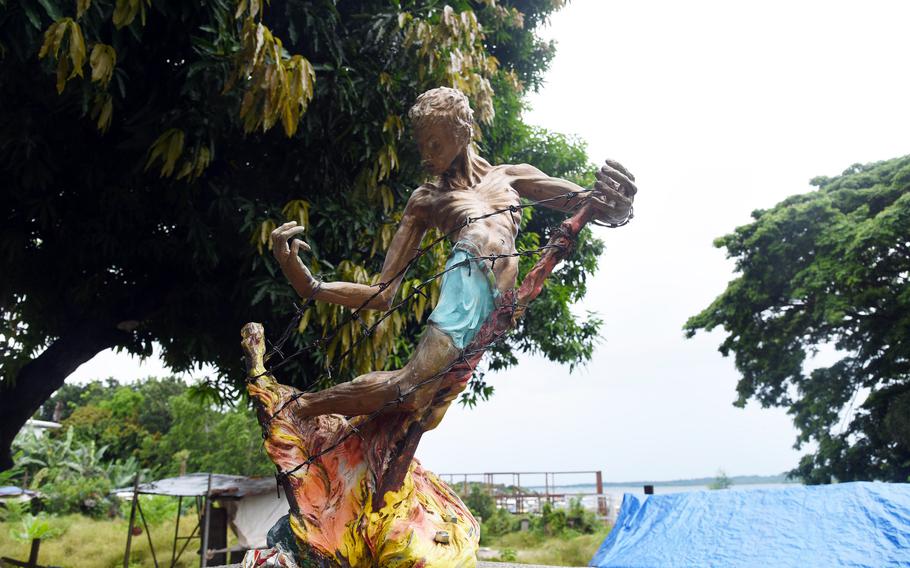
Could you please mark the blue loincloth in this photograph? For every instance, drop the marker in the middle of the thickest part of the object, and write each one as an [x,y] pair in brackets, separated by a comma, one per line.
[467,296]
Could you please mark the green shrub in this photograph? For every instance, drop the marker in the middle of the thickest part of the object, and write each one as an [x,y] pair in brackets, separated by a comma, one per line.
[122,473]
[552,521]
[87,495]
[499,523]
[211,439]
[31,527]
[721,481]
[24,526]
[565,550]
[155,508]
[580,519]
[480,502]
[13,511]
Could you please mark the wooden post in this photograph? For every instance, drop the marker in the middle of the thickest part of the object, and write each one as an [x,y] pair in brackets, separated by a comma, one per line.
[33,554]
[176,532]
[148,533]
[204,553]
[520,504]
[129,530]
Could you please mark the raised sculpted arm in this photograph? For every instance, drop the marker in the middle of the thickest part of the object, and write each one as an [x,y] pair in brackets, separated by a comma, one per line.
[401,250]
[615,190]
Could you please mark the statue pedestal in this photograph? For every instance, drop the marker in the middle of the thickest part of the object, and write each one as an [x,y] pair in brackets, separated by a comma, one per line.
[343,510]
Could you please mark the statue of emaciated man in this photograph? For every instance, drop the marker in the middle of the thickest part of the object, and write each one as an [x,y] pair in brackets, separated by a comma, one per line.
[345,455]
[465,185]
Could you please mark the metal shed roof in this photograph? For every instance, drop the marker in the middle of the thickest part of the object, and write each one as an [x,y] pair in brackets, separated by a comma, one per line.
[195,484]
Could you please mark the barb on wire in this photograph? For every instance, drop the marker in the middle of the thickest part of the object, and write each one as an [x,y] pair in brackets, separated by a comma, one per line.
[295,321]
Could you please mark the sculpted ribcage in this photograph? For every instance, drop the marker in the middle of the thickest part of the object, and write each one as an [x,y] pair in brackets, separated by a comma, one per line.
[452,207]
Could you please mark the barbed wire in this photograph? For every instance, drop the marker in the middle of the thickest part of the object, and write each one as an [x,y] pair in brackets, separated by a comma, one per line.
[367,332]
[420,252]
[402,395]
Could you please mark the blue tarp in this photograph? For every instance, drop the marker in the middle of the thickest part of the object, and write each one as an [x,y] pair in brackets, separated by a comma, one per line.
[848,524]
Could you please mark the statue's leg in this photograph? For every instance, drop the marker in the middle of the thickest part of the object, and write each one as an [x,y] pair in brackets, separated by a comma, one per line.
[373,391]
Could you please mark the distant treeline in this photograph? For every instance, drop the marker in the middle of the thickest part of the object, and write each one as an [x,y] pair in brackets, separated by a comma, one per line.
[167,426]
[112,432]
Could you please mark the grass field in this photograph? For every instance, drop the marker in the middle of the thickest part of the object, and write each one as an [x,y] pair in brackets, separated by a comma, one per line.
[90,543]
[530,548]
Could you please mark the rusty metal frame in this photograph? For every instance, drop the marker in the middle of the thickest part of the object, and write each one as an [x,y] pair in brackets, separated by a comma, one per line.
[487,479]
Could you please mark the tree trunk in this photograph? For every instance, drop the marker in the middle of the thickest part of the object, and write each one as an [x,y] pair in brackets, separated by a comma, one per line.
[39,378]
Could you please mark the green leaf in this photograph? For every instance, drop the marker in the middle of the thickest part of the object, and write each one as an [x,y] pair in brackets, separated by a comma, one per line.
[31,14]
[51,8]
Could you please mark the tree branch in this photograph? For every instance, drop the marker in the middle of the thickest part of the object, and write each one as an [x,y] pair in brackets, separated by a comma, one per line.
[37,380]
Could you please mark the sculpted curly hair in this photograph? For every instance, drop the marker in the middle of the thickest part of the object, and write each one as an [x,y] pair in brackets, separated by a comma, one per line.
[444,105]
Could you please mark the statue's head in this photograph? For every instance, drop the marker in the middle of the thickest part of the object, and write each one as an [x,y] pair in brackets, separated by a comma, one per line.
[443,125]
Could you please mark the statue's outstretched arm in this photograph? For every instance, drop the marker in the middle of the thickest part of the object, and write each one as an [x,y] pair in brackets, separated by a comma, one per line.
[375,297]
[615,190]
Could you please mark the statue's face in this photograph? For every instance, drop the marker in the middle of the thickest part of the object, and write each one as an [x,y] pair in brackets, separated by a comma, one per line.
[439,146]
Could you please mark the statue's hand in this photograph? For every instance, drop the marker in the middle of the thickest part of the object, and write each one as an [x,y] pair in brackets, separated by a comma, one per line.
[615,191]
[287,253]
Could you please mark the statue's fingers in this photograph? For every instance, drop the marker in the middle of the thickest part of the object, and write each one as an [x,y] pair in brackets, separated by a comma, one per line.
[611,200]
[605,181]
[278,232]
[282,228]
[608,185]
[296,230]
[298,244]
[617,166]
[286,234]
[280,238]
[615,174]
[619,177]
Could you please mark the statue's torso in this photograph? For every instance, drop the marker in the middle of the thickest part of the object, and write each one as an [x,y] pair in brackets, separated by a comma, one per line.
[447,209]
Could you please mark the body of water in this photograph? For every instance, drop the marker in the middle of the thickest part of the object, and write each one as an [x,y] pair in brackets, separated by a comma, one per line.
[613,494]
[640,490]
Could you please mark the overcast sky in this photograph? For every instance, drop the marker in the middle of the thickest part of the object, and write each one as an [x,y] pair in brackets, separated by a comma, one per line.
[718,108]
